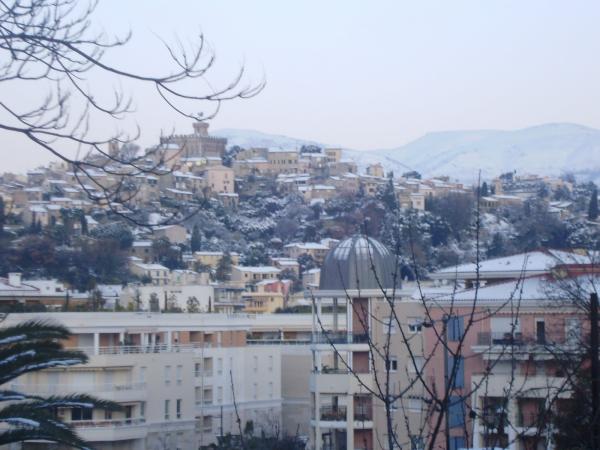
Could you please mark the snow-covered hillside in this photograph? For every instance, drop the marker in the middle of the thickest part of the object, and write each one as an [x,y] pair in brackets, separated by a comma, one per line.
[252,138]
[550,149]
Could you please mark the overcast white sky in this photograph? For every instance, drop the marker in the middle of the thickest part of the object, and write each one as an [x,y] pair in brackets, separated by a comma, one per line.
[369,74]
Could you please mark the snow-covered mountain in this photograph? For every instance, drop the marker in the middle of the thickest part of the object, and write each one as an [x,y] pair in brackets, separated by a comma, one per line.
[549,149]
[252,138]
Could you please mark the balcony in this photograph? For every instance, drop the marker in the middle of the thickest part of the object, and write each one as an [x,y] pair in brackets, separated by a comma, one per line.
[521,343]
[341,381]
[121,392]
[363,414]
[111,430]
[332,413]
[137,349]
[340,338]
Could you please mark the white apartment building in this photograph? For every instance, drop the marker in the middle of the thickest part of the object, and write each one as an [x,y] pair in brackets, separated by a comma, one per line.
[175,375]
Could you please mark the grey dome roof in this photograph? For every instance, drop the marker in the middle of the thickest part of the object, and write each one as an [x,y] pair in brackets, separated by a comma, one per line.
[349,266]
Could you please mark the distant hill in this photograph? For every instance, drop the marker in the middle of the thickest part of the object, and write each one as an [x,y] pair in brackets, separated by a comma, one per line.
[549,149]
[252,138]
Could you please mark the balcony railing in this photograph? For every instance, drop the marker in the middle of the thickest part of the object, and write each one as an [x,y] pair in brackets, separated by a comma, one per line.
[278,341]
[340,338]
[108,423]
[333,413]
[363,413]
[74,387]
[529,419]
[334,371]
[136,349]
[519,339]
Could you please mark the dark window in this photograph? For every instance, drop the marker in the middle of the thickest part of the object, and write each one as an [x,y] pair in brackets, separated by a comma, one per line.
[81,414]
[392,364]
[540,332]
[455,328]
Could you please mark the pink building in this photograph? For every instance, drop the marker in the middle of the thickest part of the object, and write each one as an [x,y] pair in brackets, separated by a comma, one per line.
[502,367]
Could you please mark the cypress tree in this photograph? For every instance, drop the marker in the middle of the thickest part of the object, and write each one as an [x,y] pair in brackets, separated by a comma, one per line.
[196,239]
[2,216]
[593,209]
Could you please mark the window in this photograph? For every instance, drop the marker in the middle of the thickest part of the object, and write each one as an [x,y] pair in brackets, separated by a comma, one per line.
[81,414]
[415,325]
[256,363]
[416,364]
[455,328]
[392,364]
[178,408]
[220,395]
[415,404]
[573,330]
[107,415]
[143,374]
[179,374]
[167,409]
[389,325]
[417,443]
[167,375]
[456,412]
[540,331]
[220,366]
[459,370]
[270,390]
[143,409]
[270,363]
[197,369]
[255,390]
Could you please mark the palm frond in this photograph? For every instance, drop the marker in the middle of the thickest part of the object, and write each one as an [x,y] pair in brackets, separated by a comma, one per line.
[33,330]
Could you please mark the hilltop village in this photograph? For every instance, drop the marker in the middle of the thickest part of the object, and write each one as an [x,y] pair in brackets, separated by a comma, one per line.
[232,283]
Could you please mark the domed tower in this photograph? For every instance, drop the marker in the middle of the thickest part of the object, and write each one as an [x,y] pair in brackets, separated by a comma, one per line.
[359,263]
[358,273]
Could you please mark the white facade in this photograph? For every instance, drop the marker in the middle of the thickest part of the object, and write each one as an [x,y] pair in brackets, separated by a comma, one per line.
[174,374]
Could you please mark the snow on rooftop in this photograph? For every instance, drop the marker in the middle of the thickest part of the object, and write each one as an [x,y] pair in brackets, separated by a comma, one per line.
[525,263]
[257,269]
[308,246]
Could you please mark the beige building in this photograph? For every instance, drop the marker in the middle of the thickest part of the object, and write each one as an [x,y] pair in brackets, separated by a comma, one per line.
[219,179]
[212,259]
[250,275]
[348,366]
[197,144]
[267,296]
[176,234]
[316,250]
[375,170]
[283,161]
[157,273]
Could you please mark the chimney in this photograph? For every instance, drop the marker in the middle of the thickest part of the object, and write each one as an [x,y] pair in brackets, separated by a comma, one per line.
[14,279]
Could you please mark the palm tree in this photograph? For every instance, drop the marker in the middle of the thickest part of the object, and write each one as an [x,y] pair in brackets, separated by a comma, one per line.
[29,347]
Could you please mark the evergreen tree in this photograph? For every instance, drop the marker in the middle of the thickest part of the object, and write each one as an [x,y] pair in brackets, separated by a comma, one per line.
[154,302]
[193,305]
[196,240]
[484,189]
[2,216]
[83,223]
[388,197]
[593,208]
[496,248]
[223,271]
